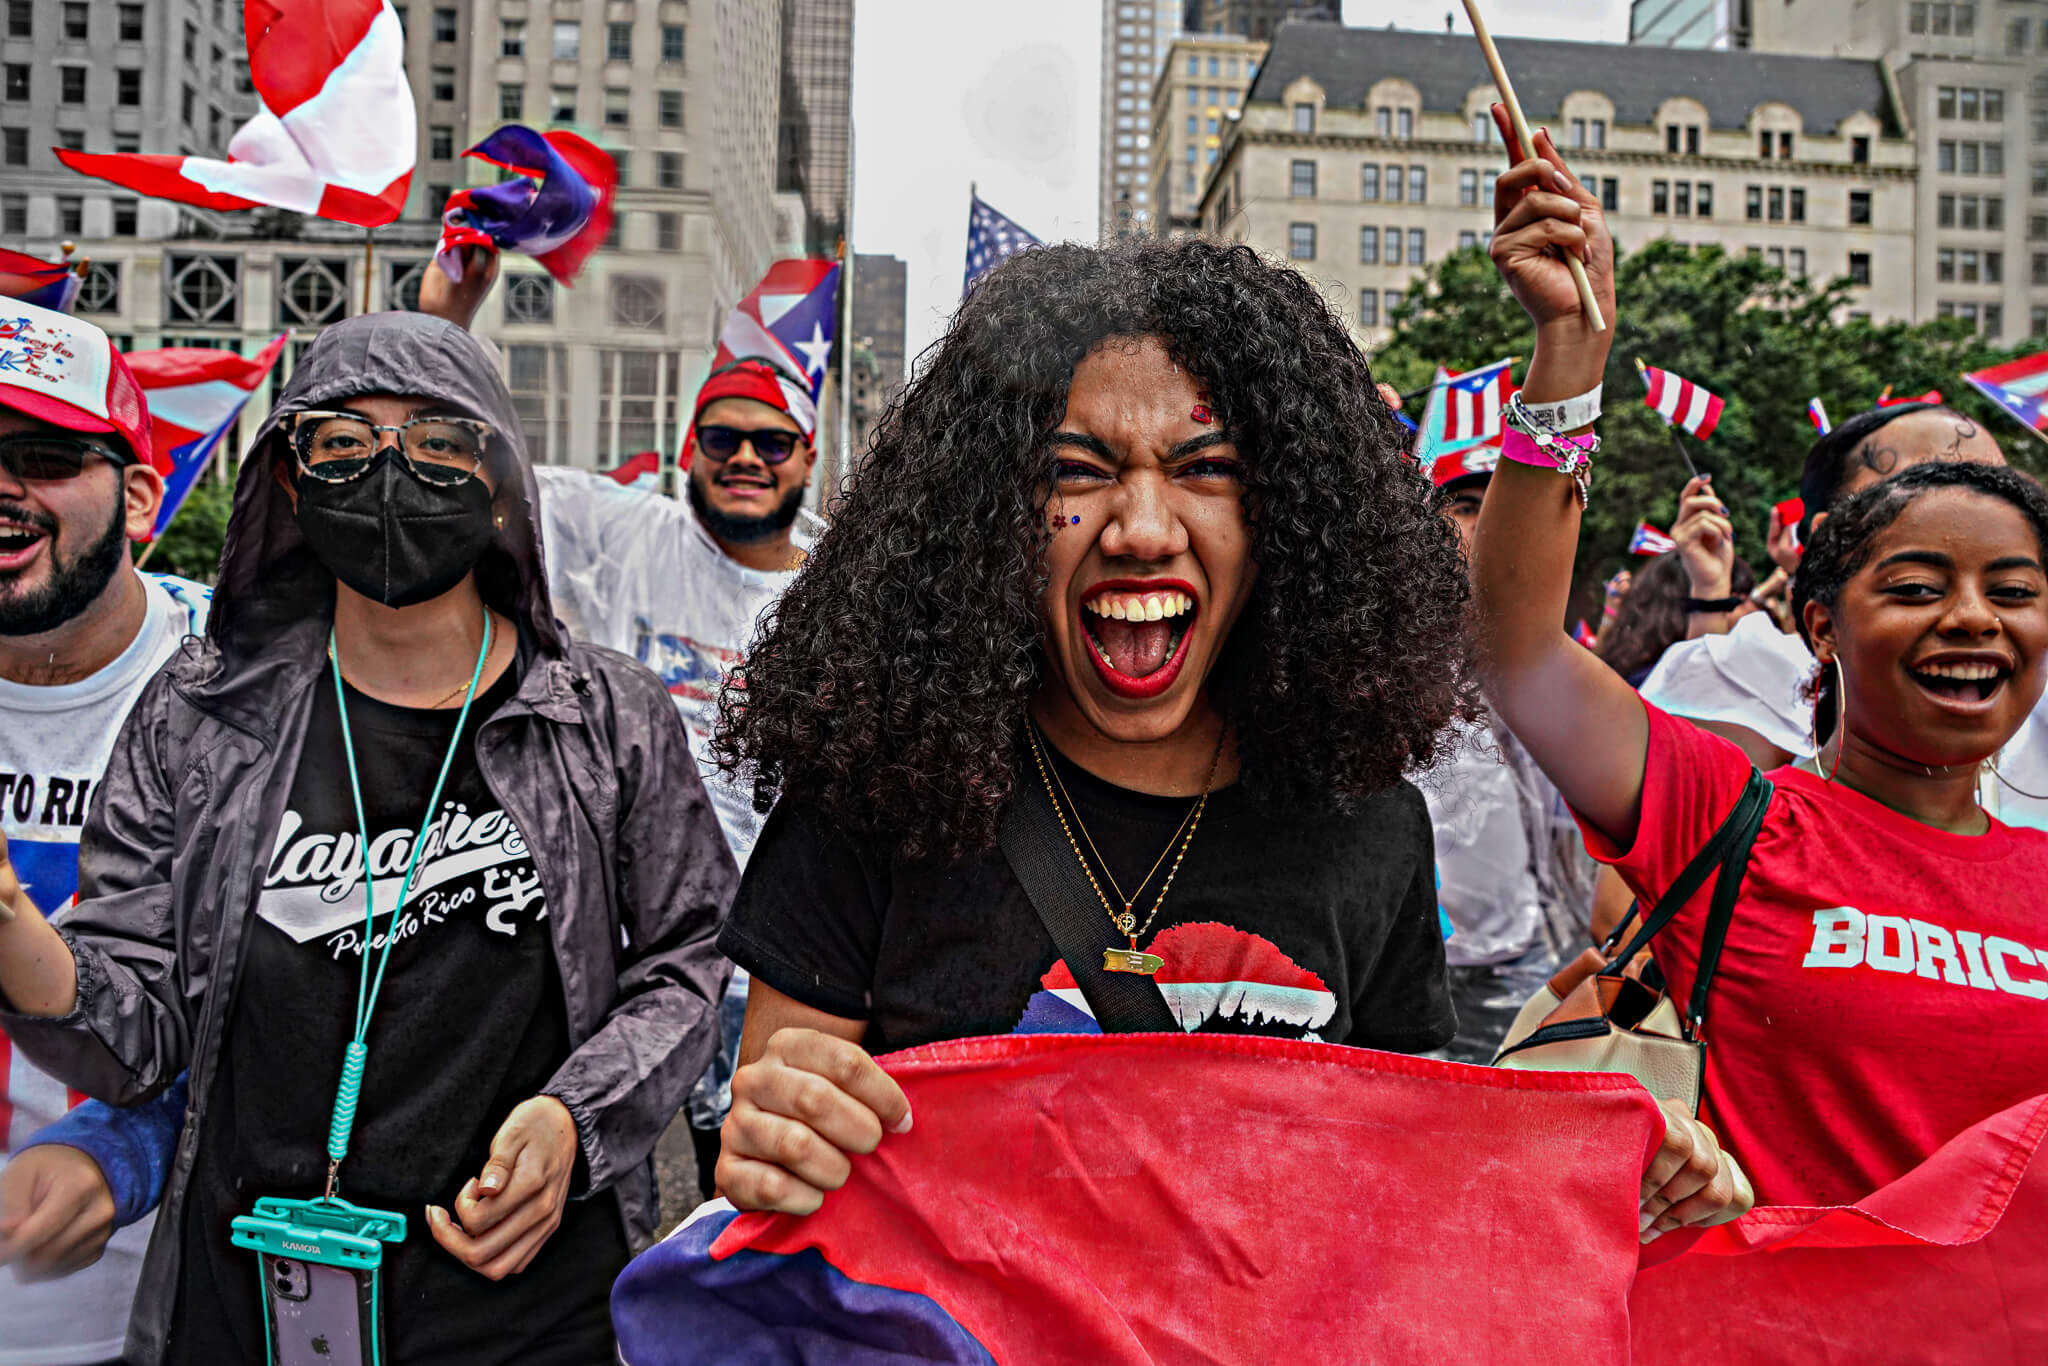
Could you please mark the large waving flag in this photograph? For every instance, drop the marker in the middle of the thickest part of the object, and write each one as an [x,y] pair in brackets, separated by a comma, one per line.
[992,238]
[334,135]
[1202,1197]
[1463,409]
[790,318]
[558,214]
[2018,386]
[1680,402]
[1647,540]
[195,395]
[46,284]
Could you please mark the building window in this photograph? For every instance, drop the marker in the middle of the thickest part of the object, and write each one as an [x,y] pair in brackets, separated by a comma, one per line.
[1859,208]
[1945,156]
[1945,211]
[1672,138]
[444,84]
[529,299]
[2037,324]
[1417,247]
[1418,184]
[1396,180]
[1994,320]
[1660,196]
[127,86]
[13,213]
[21,18]
[639,302]
[562,104]
[1483,130]
[1795,259]
[1576,136]
[1763,144]
[1945,102]
[125,213]
[1968,103]
[1468,188]
[1681,199]
[1596,134]
[617,110]
[1994,213]
[1859,267]
[71,85]
[100,290]
[1994,267]
[1390,300]
[1301,241]
[1994,158]
[1692,139]
[1777,203]
[128,23]
[1994,106]
[1467,238]
[1383,123]
[444,25]
[1703,199]
[512,38]
[16,81]
[512,102]
[618,42]
[672,42]
[76,21]
[402,284]
[13,146]
[312,291]
[668,170]
[1369,247]
[71,139]
[1945,265]
[1301,179]
[1304,118]
[568,40]
[669,107]
[1404,124]
[203,290]
[1784,146]
[1368,183]
[441,143]
[70,214]
[1859,150]
[1968,214]
[1368,308]
[668,232]
[1798,205]
[1776,256]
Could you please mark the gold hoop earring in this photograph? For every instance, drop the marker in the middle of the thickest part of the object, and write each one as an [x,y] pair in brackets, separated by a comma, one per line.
[1841,719]
[2031,796]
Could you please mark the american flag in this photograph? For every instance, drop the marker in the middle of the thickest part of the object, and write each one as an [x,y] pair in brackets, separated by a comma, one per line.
[2018,386]
[992,238]
[1647,540]
[1679,401]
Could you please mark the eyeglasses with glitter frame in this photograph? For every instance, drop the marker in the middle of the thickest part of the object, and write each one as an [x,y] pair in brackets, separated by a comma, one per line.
[415,446]
[51,457]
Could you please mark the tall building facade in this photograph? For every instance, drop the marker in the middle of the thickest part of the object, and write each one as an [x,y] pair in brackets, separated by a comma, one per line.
[818,52]
[1135,36]
[683,93]
[1199,94]
[881,291]
[1256,19]
[1365,155]
[1695,24]
[1973,86]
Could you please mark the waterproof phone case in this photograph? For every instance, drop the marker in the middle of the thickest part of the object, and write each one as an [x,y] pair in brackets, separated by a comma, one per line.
[319,1262]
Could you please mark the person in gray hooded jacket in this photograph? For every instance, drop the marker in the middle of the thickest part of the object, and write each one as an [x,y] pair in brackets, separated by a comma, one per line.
[383,675]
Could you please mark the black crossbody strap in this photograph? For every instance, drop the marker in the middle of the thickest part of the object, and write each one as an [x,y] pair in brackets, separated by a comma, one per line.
[1721,911]
[1738,830]
[1030,838]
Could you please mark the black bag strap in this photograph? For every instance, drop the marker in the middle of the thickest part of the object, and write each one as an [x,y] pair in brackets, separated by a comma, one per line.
[1030,838]
[1725,852]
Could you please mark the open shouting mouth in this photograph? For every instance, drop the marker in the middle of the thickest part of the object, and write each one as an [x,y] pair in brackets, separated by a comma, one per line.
[1962,681]
[19,542]
[1138,631]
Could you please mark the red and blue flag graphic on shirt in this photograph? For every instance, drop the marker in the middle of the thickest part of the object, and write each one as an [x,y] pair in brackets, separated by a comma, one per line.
[46,284]
[1216,977]
[558,212]
[195,396]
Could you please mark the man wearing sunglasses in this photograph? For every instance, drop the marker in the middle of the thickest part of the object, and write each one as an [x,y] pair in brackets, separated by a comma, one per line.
[80,633]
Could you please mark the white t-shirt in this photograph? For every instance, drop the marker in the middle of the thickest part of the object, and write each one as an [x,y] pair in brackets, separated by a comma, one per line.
[636,572]
[54,744]
[1756,676]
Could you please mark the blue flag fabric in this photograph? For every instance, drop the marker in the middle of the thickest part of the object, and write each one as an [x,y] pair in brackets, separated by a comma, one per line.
[992,238]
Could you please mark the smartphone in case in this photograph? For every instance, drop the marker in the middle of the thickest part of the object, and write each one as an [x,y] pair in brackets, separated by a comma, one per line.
[320,1265]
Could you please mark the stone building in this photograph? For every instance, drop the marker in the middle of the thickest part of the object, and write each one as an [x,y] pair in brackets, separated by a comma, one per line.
[684,93]
[1199,93]
[881,286]
[1135,36]
[1364,155]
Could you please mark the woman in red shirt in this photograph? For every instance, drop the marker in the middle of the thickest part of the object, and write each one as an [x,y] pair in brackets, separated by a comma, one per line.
[1884,983]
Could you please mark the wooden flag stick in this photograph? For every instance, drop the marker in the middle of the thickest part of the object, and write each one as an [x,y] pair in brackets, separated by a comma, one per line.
[1587,303]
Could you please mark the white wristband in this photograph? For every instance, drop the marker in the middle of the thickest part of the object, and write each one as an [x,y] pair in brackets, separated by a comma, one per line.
[1567,414]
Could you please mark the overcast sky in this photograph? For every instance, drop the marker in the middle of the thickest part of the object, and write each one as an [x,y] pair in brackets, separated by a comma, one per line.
[948,93]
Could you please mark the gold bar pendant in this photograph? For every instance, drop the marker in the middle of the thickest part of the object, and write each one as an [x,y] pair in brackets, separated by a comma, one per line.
[1131,960]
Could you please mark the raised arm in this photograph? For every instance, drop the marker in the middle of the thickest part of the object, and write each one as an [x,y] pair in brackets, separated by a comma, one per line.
[1581,722]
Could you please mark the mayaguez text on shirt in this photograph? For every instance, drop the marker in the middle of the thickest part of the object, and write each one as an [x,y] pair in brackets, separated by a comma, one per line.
[473,863]
[1844,937]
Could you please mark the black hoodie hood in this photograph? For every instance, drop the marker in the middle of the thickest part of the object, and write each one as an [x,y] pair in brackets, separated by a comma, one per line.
[270,579]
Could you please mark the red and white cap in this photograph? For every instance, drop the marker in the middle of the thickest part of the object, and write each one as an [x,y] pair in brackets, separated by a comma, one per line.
[66,372]
[1464,464]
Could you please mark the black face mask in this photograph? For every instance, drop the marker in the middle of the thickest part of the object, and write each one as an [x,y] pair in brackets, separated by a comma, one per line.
[392,536]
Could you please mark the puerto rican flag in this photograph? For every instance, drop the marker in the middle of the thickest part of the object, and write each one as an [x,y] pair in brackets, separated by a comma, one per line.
[1216,977]
[1818,416]
[1647,540]
[2018,386]
[790,318]
[335,136]
[1463,408]
[1584,635]
[1680,402]
[1885,399]
[558,213]
[195,395]
[1790,514]
[641,471]
[46,284]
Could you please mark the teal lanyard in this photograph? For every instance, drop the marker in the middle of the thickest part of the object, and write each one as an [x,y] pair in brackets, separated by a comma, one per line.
[351,1088]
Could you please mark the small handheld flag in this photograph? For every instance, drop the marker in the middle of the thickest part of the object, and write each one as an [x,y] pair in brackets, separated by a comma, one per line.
[1790,514]
[1647,540]
[195,394]
[46,284]
[1680,402]
[2020,387]
[1885,399]
[992,238]
[1463,410]
[1818,416]
[1583,634]
[334,135]
[558,214]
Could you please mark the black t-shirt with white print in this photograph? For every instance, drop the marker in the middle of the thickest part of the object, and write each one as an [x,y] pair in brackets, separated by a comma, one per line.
[469,1023]
[1307,927]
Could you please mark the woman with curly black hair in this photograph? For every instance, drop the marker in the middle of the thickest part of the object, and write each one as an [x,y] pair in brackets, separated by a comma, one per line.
[1138,546]
[1878,991]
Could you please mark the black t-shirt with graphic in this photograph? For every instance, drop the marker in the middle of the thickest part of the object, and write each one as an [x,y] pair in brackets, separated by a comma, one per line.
[1316,927]
[469,1023]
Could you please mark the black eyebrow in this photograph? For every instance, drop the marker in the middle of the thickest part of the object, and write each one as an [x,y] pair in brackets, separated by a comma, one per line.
[1932,558]
[1197,443]
[2015,562]
[1094,445]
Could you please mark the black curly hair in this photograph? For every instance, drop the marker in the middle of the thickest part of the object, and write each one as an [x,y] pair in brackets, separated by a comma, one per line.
[1828,459]
[1653,617]
[888,687]
[1841,544]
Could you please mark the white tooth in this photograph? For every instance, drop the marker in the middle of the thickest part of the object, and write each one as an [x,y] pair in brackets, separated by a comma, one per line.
[1116,608]
[1187,604]
[1153,610]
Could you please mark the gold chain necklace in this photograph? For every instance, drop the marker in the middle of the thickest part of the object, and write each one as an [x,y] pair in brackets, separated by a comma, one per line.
[445,698]
[1131,959]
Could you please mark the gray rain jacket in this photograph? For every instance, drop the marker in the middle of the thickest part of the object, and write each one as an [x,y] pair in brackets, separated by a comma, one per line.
[588,757]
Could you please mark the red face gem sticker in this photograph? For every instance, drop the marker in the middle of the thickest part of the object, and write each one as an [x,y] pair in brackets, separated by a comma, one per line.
[1202,413]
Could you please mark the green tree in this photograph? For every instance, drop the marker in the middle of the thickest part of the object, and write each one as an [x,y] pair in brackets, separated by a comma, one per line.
[190,546]
[1761,340]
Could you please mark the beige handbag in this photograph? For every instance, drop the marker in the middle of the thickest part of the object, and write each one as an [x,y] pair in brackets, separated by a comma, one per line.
[1600,1015]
